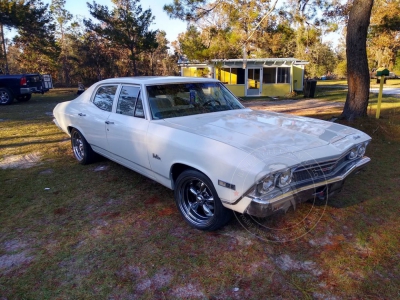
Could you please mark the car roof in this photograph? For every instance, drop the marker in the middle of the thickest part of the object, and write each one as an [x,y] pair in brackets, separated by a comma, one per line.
[157,79]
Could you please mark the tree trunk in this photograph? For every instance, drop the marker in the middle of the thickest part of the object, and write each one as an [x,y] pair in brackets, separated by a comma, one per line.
[133,61]
[357,62]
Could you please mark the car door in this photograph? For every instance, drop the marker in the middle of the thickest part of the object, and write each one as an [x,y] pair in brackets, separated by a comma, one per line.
[92,117]
[127,130]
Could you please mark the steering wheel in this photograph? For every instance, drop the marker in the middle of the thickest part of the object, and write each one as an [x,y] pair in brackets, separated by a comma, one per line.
[211,101]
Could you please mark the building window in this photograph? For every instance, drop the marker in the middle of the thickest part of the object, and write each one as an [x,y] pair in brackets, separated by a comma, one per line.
[240,75]
[253,78]
[196,72]
[269,75]
[224,75]
[231,75]
[283,75]
[202,72]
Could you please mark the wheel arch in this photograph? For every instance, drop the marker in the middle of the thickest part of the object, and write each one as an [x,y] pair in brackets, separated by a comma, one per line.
[10,92]
[86,155]
[70,128]
[178,168]
[5,87]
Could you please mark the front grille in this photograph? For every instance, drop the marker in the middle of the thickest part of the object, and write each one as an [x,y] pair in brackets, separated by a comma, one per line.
[318,170]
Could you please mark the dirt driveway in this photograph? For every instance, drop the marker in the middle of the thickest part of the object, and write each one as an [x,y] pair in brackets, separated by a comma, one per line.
[296,107]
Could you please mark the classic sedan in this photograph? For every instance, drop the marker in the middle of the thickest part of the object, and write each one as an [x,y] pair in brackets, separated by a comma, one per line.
[193,136]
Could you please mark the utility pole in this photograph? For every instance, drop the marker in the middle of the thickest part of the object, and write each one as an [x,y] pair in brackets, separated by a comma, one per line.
[3,48]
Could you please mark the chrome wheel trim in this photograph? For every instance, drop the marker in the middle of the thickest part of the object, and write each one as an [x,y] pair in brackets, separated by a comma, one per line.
[4,97]
[196,201]
[78,146]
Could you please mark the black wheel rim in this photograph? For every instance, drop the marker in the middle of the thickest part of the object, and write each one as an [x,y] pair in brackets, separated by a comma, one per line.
[196,201]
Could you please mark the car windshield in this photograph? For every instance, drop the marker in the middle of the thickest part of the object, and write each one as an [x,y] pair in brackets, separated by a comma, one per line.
[183,99]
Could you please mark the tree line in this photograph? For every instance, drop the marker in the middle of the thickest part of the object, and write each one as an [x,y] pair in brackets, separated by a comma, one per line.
[225,28]
[117,41]
[262,28]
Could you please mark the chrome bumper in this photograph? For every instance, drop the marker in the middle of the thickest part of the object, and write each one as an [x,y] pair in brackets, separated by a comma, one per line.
[322,190]
[30,90]
[23,91]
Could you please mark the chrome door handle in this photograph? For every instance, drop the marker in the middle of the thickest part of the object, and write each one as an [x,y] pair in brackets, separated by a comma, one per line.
[109,122]
[81,115]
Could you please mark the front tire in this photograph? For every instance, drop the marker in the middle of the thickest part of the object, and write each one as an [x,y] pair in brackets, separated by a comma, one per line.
[81,149]
[198,201]
[5,97]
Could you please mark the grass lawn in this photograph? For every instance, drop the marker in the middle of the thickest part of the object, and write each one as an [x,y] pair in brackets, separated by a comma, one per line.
[389,83]
[102,231]
[335,90]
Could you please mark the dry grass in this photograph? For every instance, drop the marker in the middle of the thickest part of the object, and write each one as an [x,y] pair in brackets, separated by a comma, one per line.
[104,232]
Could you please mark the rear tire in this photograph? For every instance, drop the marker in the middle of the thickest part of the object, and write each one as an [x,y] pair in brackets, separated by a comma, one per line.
[24,98]
[5,97]
[198,201]
[81,148]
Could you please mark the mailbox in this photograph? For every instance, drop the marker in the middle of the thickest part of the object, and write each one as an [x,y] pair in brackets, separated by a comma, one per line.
[382,72]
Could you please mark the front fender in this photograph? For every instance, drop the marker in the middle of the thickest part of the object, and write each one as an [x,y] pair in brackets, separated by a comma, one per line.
[168,146]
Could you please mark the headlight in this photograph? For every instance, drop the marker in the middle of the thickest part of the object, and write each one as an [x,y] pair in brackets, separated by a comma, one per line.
[357,151]
[361,150]
[285,178]
[353,153]
[279,179]
[266,185]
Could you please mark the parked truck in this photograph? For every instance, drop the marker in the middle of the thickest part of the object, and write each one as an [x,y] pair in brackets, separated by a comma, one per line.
[22,86]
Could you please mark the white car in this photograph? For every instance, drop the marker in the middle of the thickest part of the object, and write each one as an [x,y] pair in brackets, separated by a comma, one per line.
[193,135]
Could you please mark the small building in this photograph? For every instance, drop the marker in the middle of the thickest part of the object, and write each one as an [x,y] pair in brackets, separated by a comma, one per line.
[252,77]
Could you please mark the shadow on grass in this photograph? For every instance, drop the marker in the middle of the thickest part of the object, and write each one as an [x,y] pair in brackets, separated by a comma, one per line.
[111,233]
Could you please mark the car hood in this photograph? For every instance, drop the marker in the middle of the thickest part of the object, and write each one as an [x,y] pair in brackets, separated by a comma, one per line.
[251,130]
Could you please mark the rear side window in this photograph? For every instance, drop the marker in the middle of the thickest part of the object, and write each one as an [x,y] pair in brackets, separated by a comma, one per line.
[127,100]
[105,96]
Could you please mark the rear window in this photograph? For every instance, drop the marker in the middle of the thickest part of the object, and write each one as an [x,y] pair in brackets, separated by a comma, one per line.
[33,78]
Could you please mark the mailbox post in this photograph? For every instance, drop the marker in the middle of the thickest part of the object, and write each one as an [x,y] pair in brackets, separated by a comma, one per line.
[381,72]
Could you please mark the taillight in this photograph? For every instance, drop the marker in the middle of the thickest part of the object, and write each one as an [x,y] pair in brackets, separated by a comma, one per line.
[22,81]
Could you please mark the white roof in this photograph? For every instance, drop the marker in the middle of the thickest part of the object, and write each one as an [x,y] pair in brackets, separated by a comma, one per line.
[156,79]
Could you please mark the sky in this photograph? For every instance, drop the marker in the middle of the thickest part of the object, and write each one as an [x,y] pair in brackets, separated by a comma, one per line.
[171,26]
